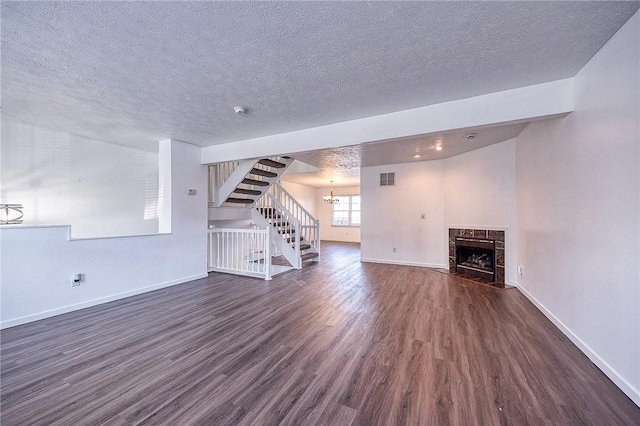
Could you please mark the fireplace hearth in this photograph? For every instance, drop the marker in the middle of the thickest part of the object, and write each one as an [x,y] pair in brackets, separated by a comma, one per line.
[477,253]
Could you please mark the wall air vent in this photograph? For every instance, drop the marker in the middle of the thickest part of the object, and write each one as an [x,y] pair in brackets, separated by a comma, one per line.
[387,179]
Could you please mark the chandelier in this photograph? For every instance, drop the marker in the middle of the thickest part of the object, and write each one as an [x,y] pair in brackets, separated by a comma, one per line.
[330,199]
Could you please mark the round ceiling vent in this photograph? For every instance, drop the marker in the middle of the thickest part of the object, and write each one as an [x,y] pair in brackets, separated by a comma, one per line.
[240,110]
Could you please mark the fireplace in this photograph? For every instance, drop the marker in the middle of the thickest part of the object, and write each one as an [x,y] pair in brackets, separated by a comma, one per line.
[476,257]
[478,253]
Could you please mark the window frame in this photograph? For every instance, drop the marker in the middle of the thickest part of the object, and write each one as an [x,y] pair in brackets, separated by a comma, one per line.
[349,211]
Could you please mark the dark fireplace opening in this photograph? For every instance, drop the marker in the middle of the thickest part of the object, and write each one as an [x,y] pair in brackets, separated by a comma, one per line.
[476,257]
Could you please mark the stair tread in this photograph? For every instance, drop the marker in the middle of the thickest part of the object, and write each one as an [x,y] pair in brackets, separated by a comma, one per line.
[240,200]
[249,181]
[272,163]
[286,231]
[308,256]
[247,191]
[264,173]
[305,247]
[290,240]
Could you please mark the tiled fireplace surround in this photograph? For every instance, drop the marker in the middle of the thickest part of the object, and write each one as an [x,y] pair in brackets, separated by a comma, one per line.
[497,236]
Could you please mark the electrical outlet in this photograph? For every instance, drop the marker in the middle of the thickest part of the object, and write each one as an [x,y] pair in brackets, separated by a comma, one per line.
[423,215]
[394,249]
[520,270]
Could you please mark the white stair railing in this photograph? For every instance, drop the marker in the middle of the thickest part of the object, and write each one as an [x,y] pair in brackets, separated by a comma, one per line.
[309,226]
[240,251]
[285,224]
[224,170]
[224,188]
[218,174]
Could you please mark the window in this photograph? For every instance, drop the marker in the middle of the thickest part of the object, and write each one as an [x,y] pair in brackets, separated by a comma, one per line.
[346,212]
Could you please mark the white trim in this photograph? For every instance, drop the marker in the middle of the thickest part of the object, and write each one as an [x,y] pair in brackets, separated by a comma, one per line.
[70,308]
[27,226]
[119,236]
[70,238]
[608,370]
[402,263]
[481,227]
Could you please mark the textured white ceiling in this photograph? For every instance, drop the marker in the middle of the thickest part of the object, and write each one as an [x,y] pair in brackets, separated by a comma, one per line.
[138,72]
[342,165]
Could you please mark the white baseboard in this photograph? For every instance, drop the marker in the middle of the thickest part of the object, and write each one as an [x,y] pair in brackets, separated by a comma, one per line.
[401,263]
[70,308]
[609,371]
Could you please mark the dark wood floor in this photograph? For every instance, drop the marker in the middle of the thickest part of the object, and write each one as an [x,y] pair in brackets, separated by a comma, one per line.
[336,343]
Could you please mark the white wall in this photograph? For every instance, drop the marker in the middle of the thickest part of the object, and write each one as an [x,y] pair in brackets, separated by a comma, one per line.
[475,190]
[578,197]
[37,263]
[305,195]
[349,234]
[480,194]
[99,188]
[391,215]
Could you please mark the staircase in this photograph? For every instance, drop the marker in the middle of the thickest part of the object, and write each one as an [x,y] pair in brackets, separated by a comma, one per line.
[241,184]
[295,233]
[292,231]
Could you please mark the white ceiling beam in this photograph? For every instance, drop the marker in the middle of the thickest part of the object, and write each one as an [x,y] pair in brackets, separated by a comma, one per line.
[529,103]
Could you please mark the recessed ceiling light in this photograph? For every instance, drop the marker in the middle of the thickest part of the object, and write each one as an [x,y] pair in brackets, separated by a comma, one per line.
[240,110]
[416,156]
[438,147]
[470,136]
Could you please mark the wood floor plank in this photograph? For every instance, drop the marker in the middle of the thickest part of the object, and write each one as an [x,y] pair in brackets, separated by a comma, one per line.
[339,342]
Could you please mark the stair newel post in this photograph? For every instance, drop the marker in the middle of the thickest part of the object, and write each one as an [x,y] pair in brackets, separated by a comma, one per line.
[211,189]
[218,249]
[317,237]
[297,240]
[267,254]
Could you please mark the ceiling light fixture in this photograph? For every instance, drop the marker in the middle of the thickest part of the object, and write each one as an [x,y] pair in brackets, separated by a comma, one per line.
[10,214]
[416,156]
[438,147]
[470,136]
[240,110]
[330,199]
